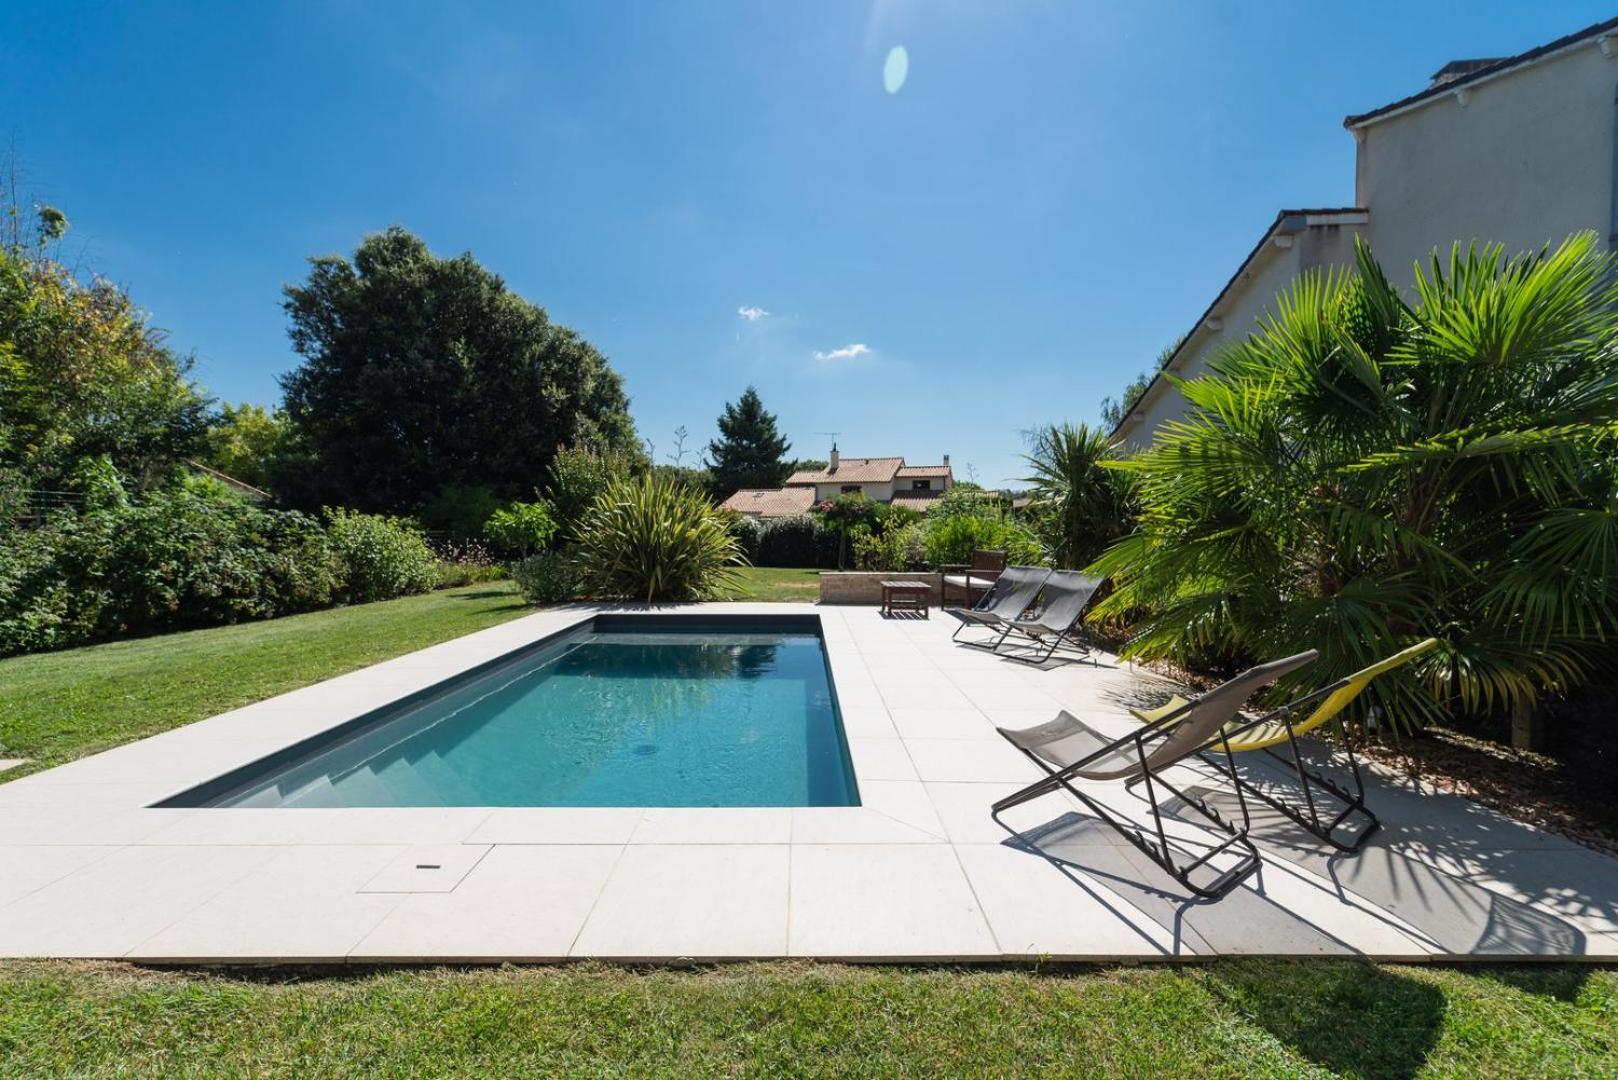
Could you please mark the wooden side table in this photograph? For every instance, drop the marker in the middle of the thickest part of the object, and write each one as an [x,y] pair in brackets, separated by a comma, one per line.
[905,596]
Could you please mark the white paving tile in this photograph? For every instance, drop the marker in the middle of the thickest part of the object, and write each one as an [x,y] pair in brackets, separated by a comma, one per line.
[25,869]
[723,825]
[870,722]
[301,905]
[521,902]
[116,902]
[429,868]
[942,724]
[1038,908]
[712,901]
[557,825]
[990,760]
[880,759]
[884,901]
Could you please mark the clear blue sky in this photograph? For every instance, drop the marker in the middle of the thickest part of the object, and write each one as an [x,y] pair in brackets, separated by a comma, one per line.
[1054,192]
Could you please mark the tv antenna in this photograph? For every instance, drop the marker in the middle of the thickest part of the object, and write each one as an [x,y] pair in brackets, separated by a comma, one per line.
[832,434]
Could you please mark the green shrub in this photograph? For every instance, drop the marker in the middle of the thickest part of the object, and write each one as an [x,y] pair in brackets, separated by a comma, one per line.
[798,541]
[901,548]
[383,556]
[952,539]
[522,527]
[578,475]
[748,531]
[547,577]
[172,560]
[655,539]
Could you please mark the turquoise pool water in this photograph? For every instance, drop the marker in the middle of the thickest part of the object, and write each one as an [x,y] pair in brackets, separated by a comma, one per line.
[644,716]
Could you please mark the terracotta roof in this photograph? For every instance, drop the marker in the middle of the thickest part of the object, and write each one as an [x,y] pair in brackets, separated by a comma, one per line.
[851,470]
[771,502]
[916,500]
[1488,70]
[909,471]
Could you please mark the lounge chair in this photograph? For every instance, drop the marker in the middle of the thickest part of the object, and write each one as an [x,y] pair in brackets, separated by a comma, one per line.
[1067,750]
[1012,593]
[1062,602]
[1278,728]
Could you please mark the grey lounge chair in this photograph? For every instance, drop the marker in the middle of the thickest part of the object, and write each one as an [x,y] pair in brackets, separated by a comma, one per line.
[1067,749]
[1012,593]
[1065,596]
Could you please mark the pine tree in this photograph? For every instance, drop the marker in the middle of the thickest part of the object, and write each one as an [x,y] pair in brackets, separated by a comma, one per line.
[749,452]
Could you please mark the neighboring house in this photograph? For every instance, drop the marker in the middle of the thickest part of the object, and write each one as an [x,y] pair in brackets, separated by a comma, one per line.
[884,480]
[1518,151]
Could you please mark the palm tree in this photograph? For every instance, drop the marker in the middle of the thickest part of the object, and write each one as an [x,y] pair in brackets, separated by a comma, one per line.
[1080,505]
[1362,473]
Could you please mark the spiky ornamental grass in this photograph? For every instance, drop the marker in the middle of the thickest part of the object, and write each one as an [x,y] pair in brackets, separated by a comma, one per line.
[1362,473]
[650,538]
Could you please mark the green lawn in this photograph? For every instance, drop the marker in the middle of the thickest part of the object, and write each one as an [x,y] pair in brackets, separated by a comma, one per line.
[1324,1018]
[772,583]
[58,706]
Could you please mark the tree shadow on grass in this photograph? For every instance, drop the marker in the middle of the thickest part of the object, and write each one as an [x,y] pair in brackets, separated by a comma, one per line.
[1560,982]
[1352,1018]
[488,594]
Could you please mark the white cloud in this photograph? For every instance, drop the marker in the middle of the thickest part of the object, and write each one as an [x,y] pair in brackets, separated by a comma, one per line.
[751,313]
[847,352]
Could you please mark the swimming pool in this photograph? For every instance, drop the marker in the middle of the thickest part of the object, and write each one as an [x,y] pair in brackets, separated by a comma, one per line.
[629,710]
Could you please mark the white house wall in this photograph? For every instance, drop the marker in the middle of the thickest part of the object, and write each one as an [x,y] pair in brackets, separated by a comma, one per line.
[1252,297]
[1527,160]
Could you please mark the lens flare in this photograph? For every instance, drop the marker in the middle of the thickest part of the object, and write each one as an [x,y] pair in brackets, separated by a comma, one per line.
[895,69]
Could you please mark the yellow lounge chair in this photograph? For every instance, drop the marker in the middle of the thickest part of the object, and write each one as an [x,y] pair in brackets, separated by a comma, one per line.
[1277,728]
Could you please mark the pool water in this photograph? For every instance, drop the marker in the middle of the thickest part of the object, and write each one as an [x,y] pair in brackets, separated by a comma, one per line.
[650,716]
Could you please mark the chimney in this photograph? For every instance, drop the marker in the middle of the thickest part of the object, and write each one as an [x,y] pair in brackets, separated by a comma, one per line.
[832,467]
[946,461]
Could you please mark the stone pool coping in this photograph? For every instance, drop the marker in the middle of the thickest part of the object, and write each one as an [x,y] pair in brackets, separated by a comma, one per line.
[918,872]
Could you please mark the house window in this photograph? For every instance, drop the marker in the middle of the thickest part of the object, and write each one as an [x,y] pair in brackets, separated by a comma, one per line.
[851,489]
[921,485]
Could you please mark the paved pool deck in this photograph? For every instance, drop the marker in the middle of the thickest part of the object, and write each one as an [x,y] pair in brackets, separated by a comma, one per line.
[920,871]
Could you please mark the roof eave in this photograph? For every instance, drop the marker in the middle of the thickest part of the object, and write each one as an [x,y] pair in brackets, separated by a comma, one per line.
[1598,33]
[1286,222]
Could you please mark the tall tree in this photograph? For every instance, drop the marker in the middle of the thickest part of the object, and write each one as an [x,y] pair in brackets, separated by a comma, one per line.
[750,452]
[422,373]
[83,375]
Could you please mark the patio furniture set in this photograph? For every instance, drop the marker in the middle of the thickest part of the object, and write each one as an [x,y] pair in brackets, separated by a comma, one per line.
[1039,613]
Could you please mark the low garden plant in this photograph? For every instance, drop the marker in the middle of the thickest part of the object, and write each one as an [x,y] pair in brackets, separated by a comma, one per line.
[652,538]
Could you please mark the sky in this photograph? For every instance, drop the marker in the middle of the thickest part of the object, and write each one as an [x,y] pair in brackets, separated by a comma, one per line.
[926,227]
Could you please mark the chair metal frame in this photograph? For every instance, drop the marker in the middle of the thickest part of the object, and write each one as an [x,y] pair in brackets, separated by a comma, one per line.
[1160,853]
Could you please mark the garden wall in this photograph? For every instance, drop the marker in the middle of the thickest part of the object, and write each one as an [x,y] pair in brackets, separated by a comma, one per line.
[865,587]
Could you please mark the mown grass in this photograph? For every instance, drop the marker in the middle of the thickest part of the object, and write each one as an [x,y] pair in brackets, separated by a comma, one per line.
[1253,1018]
[58,706]
[780,585]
